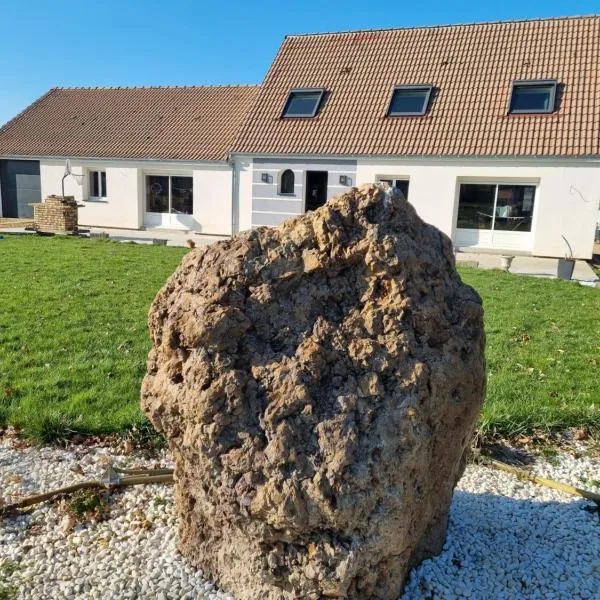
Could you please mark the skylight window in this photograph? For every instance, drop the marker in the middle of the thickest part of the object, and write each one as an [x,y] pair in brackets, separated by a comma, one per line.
[409,100]
[303,103]
[533,97]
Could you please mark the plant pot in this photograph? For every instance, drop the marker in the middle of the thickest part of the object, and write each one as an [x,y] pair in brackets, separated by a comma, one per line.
[565,268]
[505,262]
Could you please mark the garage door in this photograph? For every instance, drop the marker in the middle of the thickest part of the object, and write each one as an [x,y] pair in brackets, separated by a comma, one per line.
[20,187]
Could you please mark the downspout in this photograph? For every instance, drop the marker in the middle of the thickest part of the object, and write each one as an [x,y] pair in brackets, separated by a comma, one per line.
[231,163]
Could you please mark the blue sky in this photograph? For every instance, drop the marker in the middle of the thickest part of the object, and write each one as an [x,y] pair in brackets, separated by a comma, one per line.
[47,43]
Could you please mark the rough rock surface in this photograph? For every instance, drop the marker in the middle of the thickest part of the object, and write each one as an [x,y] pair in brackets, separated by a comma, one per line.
[317,384]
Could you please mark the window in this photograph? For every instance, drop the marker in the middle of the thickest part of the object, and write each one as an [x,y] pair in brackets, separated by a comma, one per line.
[533,97]
[98,184]
[409,100]
[303,103]
[495,207]
[165,194]
[286,182]
[514,207]
[399,184]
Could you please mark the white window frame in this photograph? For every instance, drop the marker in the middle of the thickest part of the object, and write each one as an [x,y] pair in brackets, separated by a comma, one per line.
[393,179]
[497,183]
[170,177]
[101,188]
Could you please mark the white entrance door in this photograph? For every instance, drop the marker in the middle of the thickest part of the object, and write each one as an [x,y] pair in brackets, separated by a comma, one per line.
[495,216]
[169,202]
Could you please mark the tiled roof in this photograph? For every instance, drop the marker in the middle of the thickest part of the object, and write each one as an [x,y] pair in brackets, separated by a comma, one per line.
[471,67]
[178,123]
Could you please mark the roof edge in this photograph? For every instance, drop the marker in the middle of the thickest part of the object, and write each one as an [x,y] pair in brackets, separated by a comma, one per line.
[233,154]
[26,109]
[215,161]
[443,25]
[160,87]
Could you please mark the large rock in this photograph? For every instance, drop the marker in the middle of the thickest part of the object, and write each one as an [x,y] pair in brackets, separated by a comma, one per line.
[317,384]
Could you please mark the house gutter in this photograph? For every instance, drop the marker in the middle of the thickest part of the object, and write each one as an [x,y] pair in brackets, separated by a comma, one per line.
[116,159]
[231,164]
[593,158]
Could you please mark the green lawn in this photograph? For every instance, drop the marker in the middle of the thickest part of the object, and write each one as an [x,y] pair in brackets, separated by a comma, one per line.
[73,339]
[73,333]
[543,352]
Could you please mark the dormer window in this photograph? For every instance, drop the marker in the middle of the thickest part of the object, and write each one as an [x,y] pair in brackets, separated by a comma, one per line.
[410,100]
[303,103]
[530,97]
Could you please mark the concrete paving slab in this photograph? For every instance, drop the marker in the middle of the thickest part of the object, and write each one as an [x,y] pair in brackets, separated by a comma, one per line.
[529,265]
[174,238]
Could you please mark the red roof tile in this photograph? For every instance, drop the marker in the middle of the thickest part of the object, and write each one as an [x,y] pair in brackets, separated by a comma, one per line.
[472,68]
[174,123]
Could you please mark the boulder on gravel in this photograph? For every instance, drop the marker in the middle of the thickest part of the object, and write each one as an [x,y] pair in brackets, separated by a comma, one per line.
[317,384]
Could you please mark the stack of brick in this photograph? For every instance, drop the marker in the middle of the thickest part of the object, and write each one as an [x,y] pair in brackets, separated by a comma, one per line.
[56,214]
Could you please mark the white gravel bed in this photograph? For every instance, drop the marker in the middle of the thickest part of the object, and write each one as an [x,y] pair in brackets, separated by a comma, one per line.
[579,471]
[506,539]
[512,539]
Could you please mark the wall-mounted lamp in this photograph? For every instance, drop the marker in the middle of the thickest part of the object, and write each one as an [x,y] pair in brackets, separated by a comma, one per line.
[345,180]
[266,178]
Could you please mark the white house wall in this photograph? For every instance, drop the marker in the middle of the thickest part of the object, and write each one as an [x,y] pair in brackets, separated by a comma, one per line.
[243,194]
[212,200]
[124,206]
[566,202]
[120,208]
[271,208]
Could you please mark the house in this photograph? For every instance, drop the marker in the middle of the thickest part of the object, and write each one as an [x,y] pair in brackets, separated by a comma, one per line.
[491,130]
[142,157]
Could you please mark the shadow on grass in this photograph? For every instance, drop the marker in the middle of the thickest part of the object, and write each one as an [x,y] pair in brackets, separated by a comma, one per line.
[503,547]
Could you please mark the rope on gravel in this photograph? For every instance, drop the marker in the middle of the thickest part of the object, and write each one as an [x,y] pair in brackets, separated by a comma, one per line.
[150,476]
[556,485]
[143,471]
[140,477]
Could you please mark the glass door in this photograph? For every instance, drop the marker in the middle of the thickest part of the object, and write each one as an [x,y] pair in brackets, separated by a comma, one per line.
[495,216]
[169,202]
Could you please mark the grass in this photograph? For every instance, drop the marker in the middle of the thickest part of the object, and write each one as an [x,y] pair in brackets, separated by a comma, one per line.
[7,568]
[87,505]
[73,340]
[8,592]
[73,333]
[543,353]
